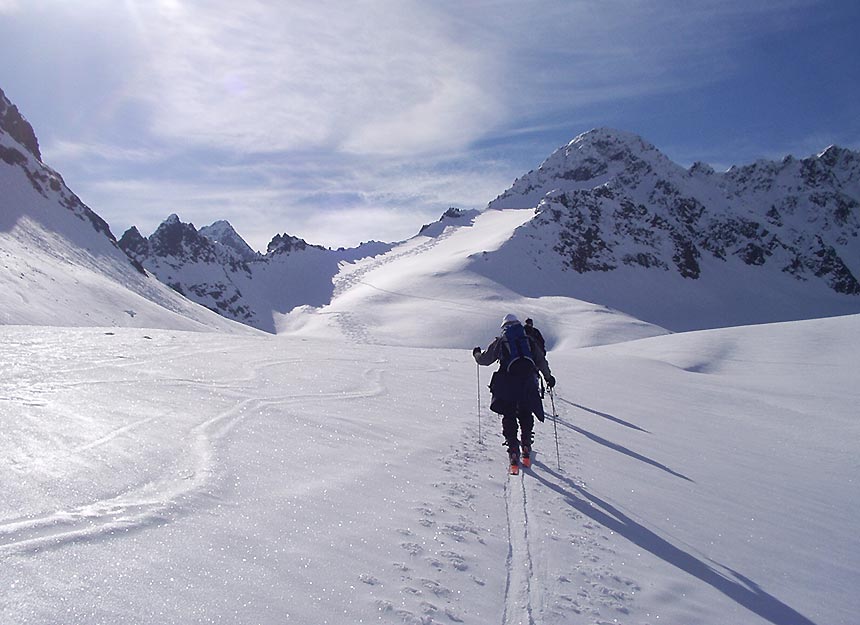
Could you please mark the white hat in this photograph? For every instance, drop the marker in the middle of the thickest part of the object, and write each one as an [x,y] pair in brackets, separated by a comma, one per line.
[509,318]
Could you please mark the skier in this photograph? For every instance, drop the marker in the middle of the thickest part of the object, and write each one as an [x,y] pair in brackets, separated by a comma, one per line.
[533,332]
[514,387]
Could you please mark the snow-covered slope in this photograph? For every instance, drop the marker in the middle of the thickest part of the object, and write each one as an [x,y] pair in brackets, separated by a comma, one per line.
[59,262]
[345,472]
[426,283]
[618,223]
[615,223]
[154,477]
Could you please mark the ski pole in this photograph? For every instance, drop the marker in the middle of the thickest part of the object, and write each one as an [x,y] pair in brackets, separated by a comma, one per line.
[555,427]
[478,371]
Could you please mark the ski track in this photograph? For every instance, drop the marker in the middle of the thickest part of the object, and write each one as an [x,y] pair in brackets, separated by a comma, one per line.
[353,275]
[580,558]
[439,577]
[437,572]
[155,503]
[518,588]
[151,504]
[572,555]
[112,435]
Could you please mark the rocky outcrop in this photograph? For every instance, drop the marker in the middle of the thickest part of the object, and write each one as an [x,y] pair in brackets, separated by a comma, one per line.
[14,124]
[610,199]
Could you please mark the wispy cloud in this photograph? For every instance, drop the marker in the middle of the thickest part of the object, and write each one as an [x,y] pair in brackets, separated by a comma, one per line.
[565,55]
[109,152]
[303,116]
[404,77]
[326,201]
[367,77]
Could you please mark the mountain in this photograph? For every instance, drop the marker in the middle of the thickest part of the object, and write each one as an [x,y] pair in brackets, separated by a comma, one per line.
[216,268]
[428,282]
[617,222]
[59,262]
[223,232]
[455,217]
[609,219]
[195,266]
[675,471]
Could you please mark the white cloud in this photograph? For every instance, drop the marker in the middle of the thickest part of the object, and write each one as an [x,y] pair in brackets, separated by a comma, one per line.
[297,116]
[404,77]
[365,77]
[68,150]
[333,203]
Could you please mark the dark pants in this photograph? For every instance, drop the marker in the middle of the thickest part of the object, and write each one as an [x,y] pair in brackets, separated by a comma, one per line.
[509,428]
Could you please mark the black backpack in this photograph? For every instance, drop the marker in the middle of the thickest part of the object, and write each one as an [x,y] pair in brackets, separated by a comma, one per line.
[518,351]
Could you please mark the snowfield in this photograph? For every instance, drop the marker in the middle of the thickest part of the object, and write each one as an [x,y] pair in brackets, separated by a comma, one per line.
[160,464]
[161,476]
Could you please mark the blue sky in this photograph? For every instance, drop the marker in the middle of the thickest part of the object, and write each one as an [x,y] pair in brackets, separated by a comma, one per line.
[345,121]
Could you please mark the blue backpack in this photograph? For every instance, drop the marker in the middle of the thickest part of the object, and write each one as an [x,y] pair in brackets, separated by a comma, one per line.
[518,351]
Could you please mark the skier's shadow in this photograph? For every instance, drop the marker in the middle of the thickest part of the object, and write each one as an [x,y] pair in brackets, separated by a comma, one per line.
[621,449]
[735,586]
[604,415]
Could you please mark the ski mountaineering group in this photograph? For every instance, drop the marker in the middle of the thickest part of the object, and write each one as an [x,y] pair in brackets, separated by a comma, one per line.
[516,392]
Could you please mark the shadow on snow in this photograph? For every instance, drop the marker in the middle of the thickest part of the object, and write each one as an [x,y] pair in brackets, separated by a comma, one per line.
[733,585]
[622,449]
[605,415]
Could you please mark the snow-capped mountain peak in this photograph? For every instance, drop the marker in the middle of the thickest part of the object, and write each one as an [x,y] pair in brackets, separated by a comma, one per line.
[223,232]
[615,218]
[607,144]
[590,160]
[285,244]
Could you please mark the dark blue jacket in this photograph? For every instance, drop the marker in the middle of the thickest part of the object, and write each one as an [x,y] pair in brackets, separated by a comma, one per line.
[511,392]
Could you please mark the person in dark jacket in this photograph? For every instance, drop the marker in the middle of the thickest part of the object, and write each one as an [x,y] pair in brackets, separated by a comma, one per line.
[533,332]
[514,387]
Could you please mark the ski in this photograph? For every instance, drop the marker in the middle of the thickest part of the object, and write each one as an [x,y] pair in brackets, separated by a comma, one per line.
[514,459]
[528,455]
[527,462]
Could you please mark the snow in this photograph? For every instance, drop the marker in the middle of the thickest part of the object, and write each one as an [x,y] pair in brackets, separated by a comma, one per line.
[160,464]
[163,476]
[423,293]
[579,194]
[341,472]
[57,269]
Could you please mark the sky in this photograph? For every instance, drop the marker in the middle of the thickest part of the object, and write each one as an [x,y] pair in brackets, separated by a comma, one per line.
[341,122]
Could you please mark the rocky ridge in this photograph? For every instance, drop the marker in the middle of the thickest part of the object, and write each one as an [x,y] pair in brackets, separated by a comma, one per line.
[609,199]
[216,268]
